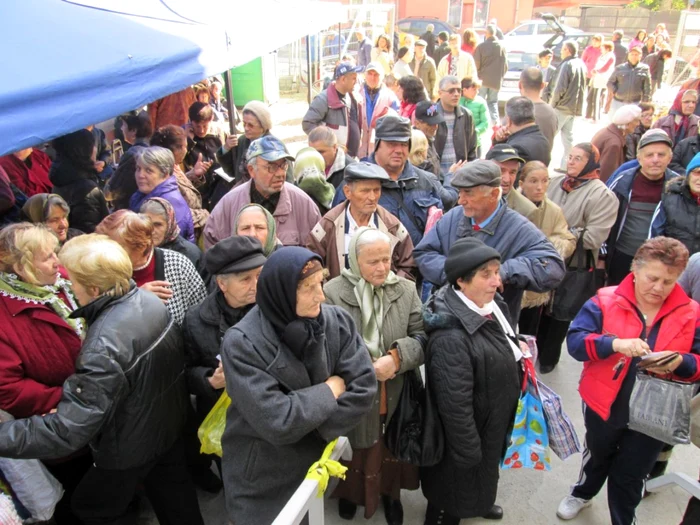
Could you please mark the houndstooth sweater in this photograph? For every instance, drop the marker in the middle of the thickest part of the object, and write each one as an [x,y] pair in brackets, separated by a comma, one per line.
[187,286]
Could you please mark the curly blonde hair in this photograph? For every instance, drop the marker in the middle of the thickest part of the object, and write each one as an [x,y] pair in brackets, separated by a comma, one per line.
[19,243]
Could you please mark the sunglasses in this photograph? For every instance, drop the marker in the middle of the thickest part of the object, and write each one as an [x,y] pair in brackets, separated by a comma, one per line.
[452,91]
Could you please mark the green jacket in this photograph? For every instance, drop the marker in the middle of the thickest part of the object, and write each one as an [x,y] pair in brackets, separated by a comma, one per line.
[480,112]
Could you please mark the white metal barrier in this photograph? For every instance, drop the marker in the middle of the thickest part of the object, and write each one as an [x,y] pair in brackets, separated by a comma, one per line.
[675,478]
[305,499]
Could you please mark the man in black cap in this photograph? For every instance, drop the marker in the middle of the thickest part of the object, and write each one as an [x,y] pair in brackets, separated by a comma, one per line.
[530,261]
[337,108]
[510,163]
[638,191]
[427,118]
[331,236]
[410,192]
[235,264]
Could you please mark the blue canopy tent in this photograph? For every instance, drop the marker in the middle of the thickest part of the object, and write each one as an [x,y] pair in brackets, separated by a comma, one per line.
[68,64]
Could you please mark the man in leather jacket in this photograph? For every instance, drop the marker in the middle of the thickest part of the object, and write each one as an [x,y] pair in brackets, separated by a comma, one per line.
[630,83]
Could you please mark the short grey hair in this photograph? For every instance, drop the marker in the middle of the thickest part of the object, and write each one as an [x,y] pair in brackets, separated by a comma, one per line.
[154,207]
[160,158]
[447,81]
[370,237]
[323,134]
[491,29]
[520,111]
[572,46]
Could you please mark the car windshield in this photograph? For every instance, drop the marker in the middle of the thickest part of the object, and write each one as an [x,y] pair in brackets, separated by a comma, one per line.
[518,61]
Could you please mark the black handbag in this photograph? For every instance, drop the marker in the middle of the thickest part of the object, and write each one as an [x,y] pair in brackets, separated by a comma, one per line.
[580,283]
[415,434]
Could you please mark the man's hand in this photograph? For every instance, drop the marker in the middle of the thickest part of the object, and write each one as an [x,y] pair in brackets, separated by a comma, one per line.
[385,368]
[99,166]
[200,169]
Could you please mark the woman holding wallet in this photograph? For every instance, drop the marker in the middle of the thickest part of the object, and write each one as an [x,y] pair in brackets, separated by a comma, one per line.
[647,313]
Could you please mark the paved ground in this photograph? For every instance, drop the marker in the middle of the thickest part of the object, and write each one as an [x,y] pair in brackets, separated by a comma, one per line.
[528,497]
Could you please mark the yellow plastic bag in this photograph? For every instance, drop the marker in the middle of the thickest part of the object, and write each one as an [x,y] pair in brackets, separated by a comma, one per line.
[212,428]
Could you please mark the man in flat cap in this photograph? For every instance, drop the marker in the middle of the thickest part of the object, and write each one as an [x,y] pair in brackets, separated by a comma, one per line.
[510,163]
[638,191]
[235,263]
[424,67]
[410,192]
[330,238]
[529,260]
[294,211]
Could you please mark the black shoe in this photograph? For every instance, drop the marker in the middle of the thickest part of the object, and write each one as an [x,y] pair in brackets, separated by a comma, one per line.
[346,509]
[393,511]
[207,481]
[496,513]
[546,369]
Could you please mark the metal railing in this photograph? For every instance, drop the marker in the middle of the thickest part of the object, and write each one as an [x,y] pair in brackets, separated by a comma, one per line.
[305,499]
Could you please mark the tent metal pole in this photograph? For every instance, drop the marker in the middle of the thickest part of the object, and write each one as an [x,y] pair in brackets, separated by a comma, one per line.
[309,76]
[229,102]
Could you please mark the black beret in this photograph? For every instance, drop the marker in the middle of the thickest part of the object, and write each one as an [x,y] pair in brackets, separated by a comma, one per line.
[235,254]
[365,171]
[466,255]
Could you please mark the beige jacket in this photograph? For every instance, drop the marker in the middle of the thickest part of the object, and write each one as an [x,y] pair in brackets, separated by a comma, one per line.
[549,218]
[518,202]
[592,207]
[466,67]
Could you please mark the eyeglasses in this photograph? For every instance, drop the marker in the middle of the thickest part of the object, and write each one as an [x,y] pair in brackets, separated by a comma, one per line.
[452,91]
[571,158]
[273,168]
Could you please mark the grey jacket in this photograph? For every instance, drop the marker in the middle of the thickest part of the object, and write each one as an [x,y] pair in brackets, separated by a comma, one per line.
[491,63]
[568,87]
[279,423]
[402,326]
[427,72]
[329,109]
[528,260]
[631,85]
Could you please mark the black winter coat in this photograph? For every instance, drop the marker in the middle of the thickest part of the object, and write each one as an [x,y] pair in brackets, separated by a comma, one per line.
[203,329]
[80,190]
[566,90]
[476,385]
[682,214]
[683,153]
[631,84]
[632,141]
[464,135]
[491,63]
[127,398]
[531,144]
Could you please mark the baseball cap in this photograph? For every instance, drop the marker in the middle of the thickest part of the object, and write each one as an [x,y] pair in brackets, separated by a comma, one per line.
[428,112]
[269,147]
[502,153]
[345,68]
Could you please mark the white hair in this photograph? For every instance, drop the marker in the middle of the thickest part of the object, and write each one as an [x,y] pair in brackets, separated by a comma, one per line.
[370,237]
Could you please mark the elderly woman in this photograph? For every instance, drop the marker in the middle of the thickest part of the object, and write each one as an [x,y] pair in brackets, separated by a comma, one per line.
[611,141]
[154,178]
[52,211]
[255,221]
[472,362]
[648,312]
[590,209]
[168,274]
[309,175]
[387,310]
[174,138]
[74,178]
[299,375]
[681,122]
[549,218]
[127,397]
[166,232]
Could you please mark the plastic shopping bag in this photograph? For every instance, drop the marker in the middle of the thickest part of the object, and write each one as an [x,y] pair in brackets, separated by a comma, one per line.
[212,428]
[37,490]
[528,444]
[561,432]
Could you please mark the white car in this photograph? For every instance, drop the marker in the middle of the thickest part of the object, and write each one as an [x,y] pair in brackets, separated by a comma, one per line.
[533,34]
[517,62]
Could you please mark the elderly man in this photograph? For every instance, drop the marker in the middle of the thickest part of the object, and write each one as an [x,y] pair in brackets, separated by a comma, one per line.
[456,137]
[522,132]
[375,101]
[294,212]
[566,95]
[457,63]
[531,85]
[639,192]
[337,108]
[410,193]
[427,118]
[529,260]
[620,49]
[323,140]
[330,238]
[442,49]
[430,40]
[492,66]
[424,67]
[630,83]
[510,163]
[364,51]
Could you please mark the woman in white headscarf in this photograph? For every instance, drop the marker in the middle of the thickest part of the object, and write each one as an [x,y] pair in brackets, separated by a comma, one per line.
[610,141]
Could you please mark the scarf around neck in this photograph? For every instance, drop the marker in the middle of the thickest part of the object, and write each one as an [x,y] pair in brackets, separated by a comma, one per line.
[370,298]
[12,286]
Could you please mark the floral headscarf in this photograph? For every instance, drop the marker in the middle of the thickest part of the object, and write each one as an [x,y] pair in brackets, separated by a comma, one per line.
[172,230]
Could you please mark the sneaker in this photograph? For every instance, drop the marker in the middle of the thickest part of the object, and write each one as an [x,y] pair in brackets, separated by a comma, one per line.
[570,506]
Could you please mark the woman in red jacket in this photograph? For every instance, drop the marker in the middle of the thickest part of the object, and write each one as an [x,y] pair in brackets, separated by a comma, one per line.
[39,342]
[646,313]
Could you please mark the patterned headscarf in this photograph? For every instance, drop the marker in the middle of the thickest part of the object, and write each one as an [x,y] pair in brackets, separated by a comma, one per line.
[589,172]
[172,230]
[369,297]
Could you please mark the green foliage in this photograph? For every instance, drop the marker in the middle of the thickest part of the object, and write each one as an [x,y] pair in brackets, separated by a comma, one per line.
[656,5]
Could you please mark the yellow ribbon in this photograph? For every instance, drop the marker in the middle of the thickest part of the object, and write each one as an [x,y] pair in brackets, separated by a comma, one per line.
[324,468]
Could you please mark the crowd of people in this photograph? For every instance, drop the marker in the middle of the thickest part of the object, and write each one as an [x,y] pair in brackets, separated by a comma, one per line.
[308,288]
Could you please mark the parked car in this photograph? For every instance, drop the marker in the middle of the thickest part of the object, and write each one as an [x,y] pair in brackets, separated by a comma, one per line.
[417,25]
[533,34]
